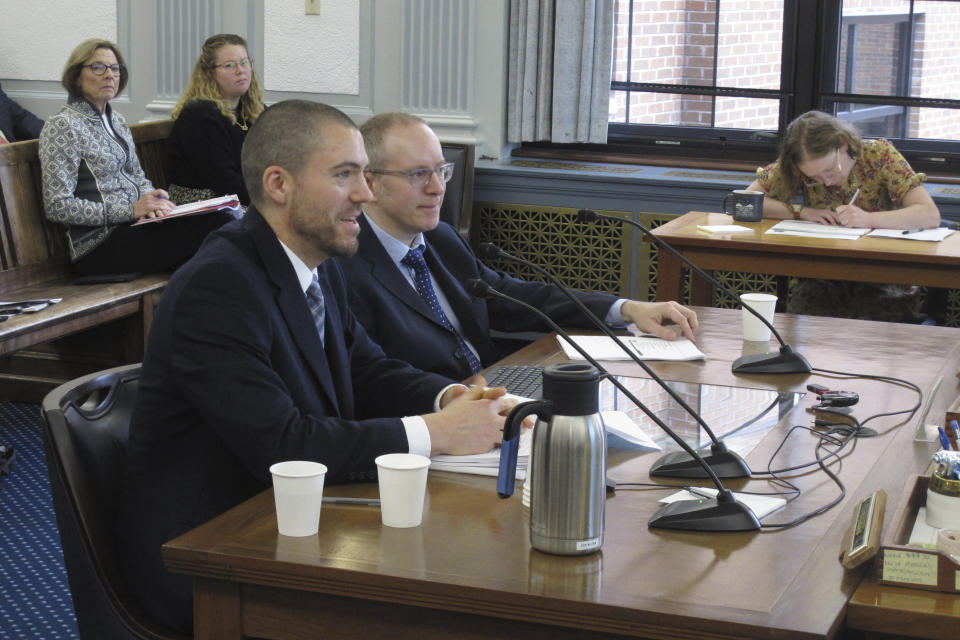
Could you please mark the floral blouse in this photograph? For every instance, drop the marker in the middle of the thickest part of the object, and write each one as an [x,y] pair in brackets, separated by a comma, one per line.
[883,176]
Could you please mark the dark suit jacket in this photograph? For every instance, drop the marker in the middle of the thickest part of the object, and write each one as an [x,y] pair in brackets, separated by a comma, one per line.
[16,122]
[204,150]
[398,319]
[234,379]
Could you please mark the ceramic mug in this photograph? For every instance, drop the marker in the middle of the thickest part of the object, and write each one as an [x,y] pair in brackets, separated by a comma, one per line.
[746,206]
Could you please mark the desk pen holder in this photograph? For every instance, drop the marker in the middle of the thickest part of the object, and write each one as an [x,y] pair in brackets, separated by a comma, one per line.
[943,502]
[917,567]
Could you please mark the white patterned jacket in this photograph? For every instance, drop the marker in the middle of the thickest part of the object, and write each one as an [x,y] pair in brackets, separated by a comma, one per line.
[90,178]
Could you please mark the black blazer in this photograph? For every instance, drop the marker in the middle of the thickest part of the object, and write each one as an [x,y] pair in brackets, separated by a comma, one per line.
[234,379]
[398,319]
[204,150]
[16,122]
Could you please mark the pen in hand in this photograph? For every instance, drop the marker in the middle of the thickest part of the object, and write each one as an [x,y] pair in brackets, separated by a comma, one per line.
[853,199]
[909,231]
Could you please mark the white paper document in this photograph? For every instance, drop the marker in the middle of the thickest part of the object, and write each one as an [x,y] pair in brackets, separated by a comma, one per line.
[645,347]
[723,229]
[485,464]
[219,203]
[927,235]
[760,505]
[619,424]
[488,464]
[807,229]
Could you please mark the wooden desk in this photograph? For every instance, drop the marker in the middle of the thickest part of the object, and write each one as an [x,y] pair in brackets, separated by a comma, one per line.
[934,264]
[884,611]
[468,571]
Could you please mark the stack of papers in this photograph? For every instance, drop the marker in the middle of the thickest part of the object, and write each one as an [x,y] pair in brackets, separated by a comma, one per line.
[760,505]
[617,424]
[485,464]
[194,208]
[815,230]
[723,228]
[645,347]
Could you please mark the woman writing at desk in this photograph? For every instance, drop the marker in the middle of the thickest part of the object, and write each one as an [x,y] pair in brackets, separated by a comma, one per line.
[842,179]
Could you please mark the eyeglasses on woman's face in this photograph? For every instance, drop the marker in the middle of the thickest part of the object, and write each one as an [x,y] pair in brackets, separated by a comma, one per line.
[98,68]
[826,170]
[232,66]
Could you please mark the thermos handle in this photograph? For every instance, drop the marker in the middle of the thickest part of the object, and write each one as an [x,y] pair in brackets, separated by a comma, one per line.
[507,474]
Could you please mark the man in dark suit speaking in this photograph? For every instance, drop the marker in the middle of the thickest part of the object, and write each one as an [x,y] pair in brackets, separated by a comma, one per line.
[254,357]
[407,279]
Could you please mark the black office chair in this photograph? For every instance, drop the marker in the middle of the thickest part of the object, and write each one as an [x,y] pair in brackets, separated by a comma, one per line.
[457,207]
[87,422]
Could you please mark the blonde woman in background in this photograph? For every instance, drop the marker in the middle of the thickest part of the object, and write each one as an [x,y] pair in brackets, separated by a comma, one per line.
[221,101]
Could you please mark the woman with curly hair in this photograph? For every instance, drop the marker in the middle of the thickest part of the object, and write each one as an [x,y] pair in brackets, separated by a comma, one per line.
[840,178]
[211,120]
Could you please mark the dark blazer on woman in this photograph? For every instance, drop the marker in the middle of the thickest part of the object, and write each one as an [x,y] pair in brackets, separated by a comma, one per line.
[16,122]
[234,379]
[398,319]
[205,148]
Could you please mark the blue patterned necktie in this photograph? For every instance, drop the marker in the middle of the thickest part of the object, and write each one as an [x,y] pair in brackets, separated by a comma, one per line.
[315,302]
[421,278]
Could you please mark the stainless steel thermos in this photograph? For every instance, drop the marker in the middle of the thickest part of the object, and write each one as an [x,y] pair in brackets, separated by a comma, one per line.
[568,463]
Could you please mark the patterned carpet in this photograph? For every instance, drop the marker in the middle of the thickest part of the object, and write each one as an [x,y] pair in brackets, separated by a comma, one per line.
[35,599]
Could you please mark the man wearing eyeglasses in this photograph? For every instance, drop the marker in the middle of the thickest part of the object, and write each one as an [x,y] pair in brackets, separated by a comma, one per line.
[407,278]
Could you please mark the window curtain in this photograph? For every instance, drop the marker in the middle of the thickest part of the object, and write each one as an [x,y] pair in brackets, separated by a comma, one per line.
[561,54]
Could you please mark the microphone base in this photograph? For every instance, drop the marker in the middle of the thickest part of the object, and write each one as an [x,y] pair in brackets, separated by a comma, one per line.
[784,361]
[680,464]
[705,515]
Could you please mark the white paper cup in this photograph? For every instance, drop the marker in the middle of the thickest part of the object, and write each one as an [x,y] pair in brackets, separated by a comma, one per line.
[403,485]
[298,495]
[765,304]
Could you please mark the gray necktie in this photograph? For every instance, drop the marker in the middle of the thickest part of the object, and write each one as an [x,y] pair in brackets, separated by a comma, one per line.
[315,302]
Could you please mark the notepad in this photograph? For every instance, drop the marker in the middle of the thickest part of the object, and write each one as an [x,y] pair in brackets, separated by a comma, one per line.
[927,235]
[723,229]
[220,203]
[760,505]
[645,347]
[806,229]
[485,464]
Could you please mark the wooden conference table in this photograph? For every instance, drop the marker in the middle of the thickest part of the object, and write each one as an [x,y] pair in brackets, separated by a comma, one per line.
[469,572]
[934,264]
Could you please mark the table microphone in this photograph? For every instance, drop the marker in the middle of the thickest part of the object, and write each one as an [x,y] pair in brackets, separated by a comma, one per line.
[784,361]
[723,513]
[726,463]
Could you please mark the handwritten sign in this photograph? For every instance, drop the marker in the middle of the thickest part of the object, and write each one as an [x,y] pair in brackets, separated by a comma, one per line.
[910,567]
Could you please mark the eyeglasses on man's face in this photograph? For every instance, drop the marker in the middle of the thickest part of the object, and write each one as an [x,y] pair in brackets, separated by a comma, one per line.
[232,66]
[98,68]
[420,177]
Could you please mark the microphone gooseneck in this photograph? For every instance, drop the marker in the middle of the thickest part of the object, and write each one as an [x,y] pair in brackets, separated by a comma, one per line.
[784,361]
[726,463]
[723,513]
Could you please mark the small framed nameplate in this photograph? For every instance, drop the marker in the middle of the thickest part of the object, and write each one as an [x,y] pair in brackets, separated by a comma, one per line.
[862,540]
